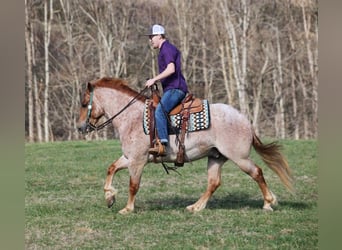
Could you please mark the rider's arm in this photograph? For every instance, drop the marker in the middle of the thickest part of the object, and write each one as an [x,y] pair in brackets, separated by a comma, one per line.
[170,69]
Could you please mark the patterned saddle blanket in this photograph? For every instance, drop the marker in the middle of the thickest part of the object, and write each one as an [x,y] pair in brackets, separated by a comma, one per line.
[197,121]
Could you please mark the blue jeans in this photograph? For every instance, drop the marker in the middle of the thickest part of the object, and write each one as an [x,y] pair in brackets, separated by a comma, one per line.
[169,100]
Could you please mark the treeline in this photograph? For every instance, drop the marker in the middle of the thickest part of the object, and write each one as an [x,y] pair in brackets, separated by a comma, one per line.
[259,56]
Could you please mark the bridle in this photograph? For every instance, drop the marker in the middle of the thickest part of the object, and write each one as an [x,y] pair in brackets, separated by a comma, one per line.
[92,127]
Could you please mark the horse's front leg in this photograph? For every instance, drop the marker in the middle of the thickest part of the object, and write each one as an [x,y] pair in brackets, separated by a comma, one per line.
[109,190]
[135,171]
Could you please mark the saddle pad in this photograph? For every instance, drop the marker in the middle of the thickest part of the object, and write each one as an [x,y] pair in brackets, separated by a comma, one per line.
[197,121]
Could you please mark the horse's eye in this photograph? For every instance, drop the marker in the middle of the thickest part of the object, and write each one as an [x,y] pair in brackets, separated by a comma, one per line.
[84,103]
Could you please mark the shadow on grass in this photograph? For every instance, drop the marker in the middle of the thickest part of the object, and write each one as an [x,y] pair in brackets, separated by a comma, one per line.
[230,201]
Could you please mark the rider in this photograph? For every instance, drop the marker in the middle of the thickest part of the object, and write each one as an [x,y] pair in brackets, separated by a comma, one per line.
[173,84]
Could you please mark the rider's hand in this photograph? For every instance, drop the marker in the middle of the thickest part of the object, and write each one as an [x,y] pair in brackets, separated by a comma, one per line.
[150,82]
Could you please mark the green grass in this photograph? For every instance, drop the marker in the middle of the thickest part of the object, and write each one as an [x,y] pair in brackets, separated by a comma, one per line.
[65,206]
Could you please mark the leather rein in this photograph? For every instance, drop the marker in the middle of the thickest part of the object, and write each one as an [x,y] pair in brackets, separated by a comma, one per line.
[91,127]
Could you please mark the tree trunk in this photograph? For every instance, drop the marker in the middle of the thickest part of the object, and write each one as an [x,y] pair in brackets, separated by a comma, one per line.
[224,70]
[231,84]
[294,118]
[315,84]
[184,31]
[294,104]
[48,11]
[257,95]
[37,103]
[278,87]
[304,105]
[312,62]
[38,110]
[29,73]
[75,83]
[207,89]
[243,77]
[238,69]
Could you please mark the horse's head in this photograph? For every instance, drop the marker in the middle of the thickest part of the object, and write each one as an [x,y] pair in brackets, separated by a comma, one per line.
[90,111]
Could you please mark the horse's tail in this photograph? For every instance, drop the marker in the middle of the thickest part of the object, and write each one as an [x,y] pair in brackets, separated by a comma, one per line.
[274,159]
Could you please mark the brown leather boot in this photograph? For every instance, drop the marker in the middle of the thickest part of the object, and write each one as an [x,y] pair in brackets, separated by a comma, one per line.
[158,149]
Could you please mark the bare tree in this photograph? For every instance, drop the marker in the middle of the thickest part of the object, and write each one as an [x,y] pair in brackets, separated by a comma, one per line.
[258,93]
[278,85]
[311,37]
[239,68]
[37,103]
[48,16]
[183,17]
[29,71]
[75,82]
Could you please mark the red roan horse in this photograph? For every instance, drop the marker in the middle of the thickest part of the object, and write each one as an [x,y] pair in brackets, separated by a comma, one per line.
[230,136]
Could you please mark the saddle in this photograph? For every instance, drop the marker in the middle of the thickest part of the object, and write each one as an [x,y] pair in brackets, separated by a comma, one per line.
[189,105]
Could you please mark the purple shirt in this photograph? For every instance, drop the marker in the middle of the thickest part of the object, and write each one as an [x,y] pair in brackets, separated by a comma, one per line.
[169,53]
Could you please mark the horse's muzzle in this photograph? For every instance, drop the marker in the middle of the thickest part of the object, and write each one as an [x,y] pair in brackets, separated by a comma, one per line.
[83,128]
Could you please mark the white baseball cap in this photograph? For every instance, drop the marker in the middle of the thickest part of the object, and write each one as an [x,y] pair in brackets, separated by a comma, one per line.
[156,30]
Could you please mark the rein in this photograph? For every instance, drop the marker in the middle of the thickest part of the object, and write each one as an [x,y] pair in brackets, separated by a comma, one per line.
[92,127]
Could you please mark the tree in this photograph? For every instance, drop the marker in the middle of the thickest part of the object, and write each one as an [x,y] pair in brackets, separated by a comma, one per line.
[48,16]
[67,27]
[238,65]
[29,72]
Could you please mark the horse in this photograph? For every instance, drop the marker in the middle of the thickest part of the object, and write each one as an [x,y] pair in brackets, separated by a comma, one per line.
[229,137]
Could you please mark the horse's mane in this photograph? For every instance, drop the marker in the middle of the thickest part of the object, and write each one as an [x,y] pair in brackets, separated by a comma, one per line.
[120,85]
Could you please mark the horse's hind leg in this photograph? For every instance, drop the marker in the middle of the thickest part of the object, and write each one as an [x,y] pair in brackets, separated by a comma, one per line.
[214,181]
[255,172]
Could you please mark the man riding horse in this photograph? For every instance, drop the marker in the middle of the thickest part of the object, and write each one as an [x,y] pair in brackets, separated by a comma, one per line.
[173,84]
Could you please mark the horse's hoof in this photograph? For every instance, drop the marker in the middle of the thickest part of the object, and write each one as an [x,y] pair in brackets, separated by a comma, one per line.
[190,209]
[267,208]
[110,201]
[125,211]
[274,199]
[194,208]
[110,196]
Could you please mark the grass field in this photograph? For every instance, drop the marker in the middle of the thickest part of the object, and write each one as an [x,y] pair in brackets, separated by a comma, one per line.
[65,206]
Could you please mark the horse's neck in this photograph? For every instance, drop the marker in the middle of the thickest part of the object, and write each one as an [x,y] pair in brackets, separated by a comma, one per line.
[114,101]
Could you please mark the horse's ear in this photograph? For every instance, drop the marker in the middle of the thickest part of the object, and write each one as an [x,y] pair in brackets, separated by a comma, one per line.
[90,87]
